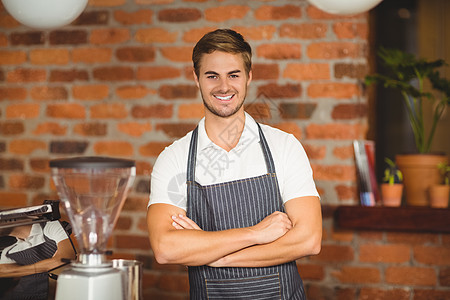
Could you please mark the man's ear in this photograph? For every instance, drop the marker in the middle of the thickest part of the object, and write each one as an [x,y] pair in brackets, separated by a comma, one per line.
[250,76]
[195,78]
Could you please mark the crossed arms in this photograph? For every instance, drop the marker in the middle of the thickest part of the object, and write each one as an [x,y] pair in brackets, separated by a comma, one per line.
[277,239]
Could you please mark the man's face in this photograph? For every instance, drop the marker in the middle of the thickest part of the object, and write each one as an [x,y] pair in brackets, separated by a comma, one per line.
[223,83]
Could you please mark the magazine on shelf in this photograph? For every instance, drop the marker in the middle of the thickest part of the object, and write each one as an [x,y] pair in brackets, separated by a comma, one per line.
[365,167]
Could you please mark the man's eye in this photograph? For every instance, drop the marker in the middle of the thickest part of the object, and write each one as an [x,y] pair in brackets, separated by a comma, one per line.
[234,76]
[211,76]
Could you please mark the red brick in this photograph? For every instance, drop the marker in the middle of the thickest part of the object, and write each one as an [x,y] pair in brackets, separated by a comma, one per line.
[181,91]
[191,111]
[26,75]
[11,128]
[265,71]
[290,127]
[194,34]
[68,75]
[134,129]
[13,93]
[314,71]
[262,32]
[114,73]
[412,238]
[350,30]
[155,35]
[48,93]
[113,148]
[333,50]
[91,55]
[341,235]
[98,17]
[108,111]
[392,253]
[146,2]
[358,275]
[152,111]
[109,36]
[444,277]
[68,37]
[7,21]
[106,3]
[12,199]
[152,148]
[157,73]
[68,147]
[427,294]
[175,130]
[279,51]
[333,90]
[311,272]
[179,15]
[285,12]
[90,92]
[143,168]
[91,129]
[49,56]
[368,293]
[11,164]
[224,13]
[315,13]
[432,255]
[142,16]
[132,242]
[3,40]
[358,71]
[333,172]
[40,165]
[273,90]
[333,131]
[136,54]
[50,128]
[334,253]
[303,31]
[133,91]
[349,111]
[66,111]
[177,54]
[12,57]
[344,152]
[315,151]
[420,276]
[124,223]
[26,147]
[297,110]
[22,111]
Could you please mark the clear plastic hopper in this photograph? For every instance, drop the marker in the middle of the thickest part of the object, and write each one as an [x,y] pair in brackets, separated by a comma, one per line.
[93,191]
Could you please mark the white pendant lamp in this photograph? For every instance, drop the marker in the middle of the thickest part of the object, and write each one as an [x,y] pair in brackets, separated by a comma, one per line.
[45,14]
[345,7]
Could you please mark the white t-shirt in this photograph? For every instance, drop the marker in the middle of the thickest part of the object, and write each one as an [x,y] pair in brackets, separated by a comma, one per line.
[245,160]
[52,230]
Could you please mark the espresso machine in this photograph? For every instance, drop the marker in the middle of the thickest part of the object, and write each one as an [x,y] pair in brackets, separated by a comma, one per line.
[92,191]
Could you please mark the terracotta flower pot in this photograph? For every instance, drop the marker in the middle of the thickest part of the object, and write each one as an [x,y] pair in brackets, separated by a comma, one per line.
[391,194]
[420,172]
[439,195]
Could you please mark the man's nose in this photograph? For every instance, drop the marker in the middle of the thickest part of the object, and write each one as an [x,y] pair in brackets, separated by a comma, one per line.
[224,85]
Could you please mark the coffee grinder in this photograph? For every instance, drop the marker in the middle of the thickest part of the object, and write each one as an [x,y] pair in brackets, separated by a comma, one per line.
[92,191]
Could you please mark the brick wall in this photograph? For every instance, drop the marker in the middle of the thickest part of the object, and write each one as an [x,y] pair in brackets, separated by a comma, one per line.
[117,82]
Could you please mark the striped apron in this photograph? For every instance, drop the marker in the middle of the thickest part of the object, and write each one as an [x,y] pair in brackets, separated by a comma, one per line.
[34,286]
[238,204]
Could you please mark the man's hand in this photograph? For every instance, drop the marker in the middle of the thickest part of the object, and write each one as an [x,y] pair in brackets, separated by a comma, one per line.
[271,228]
[268,230]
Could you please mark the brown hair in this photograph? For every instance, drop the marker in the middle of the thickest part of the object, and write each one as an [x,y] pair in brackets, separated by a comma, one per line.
[225,40]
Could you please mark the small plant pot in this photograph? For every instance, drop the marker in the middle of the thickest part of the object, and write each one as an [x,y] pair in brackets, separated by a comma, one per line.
[391,194]
[439,196]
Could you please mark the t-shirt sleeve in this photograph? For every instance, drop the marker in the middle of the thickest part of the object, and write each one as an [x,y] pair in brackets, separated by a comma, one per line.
[298,174]
[168,180]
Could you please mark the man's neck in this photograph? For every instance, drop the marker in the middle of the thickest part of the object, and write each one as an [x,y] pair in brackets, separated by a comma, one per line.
[225,132]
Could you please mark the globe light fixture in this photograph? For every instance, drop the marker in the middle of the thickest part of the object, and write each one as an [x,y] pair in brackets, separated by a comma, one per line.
[345,7]
[45,14]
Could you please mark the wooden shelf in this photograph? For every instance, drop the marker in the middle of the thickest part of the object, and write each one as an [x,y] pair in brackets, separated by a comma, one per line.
[413,219]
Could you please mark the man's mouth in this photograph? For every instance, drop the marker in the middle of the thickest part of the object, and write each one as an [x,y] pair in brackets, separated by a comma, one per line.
[224,98]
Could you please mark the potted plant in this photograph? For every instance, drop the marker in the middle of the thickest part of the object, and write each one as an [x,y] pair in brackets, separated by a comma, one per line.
[392,186]
[439,193]
[408,74]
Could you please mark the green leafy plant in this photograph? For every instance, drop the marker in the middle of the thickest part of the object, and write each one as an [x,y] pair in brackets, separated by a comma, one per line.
[444,169]
[408,74]
[392,174]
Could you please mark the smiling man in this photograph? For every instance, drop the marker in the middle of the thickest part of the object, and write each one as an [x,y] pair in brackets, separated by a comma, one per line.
[234,200]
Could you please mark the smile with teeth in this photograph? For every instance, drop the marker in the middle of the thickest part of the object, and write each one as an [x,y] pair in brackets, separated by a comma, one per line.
[224,98]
